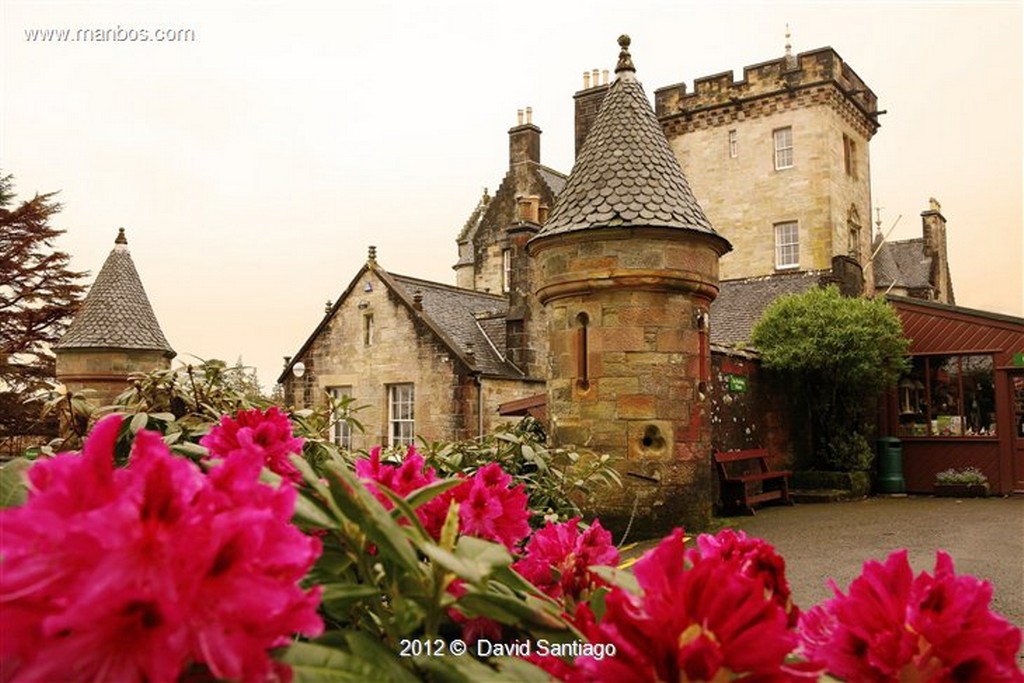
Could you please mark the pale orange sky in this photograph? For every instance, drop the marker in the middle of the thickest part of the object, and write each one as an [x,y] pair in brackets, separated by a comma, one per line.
[253,166]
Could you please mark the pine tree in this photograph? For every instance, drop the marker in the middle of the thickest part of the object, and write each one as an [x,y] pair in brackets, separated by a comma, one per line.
[39,295]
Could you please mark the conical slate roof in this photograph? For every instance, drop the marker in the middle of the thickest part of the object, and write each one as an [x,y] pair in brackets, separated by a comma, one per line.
[626,175]
[116,313]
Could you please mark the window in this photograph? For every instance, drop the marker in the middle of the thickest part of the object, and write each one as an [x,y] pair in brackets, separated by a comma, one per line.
[582,351]
[783,148]
[341,428]
[733,149]
[401,421]
[506,270]
[853,231]
[850,155]
[948,396]
[787,245]
[368,329]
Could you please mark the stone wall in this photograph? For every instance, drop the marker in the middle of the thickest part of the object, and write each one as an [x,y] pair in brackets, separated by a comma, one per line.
[632,383]
[743,195]
[400,350]
[105,371]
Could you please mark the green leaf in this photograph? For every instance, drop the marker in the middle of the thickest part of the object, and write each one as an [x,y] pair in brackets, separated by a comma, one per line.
[387,661]
[312,663]
[139,421]
[618,577]
[307,513]
[338,598]
[13,491]
[427,493]
[490,555]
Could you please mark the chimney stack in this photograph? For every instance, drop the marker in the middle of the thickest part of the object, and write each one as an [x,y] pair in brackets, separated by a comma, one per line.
[588,103]
[524,140]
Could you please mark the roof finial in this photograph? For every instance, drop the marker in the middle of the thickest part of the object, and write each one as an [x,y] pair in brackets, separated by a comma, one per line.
[373,253]
[789,48]
[625,60]
[121,239]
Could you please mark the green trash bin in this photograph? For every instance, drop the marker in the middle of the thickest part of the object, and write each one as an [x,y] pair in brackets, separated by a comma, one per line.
[890,465]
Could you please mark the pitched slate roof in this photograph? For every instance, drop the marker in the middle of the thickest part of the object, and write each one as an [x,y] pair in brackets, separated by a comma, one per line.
[555,180]
[116,313]
[741,303]
[903,264]
[471,321]
[626,175]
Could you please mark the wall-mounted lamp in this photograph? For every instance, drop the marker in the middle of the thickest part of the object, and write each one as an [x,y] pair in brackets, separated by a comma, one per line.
[299,369]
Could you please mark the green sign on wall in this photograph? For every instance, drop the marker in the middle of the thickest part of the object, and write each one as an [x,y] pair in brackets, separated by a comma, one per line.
[1018,359]
[737,384]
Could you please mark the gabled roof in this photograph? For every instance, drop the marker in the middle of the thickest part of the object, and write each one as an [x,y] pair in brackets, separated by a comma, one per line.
[626,175]
[903,264]
[741,303]
[462,319]
[555,180]
[116,314]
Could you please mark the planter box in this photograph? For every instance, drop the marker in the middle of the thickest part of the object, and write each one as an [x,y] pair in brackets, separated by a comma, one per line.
[961,490]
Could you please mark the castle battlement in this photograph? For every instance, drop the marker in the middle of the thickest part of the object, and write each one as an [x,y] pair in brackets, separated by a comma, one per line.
[784,76]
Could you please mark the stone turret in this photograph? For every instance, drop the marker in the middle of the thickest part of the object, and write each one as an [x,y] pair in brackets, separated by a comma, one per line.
[626,269]
[114,333]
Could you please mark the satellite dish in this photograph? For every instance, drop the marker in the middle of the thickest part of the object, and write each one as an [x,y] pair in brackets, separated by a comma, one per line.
[299,369]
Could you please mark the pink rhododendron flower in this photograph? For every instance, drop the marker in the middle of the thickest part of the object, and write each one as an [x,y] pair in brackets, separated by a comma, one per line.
[753,557]
[404,479]
[134,574]
[267,436]
[557,558]
[892,626]
[489,509]
[697,619]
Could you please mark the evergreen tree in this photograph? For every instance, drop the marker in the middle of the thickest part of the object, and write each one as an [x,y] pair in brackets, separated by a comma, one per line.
[39,295]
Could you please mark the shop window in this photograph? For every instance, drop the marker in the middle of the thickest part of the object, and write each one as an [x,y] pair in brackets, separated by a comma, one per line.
[948,396]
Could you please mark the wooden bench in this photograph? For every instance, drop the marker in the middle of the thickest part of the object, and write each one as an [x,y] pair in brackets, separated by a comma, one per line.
[744,486]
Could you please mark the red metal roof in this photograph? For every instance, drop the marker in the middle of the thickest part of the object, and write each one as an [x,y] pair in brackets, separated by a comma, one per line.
[940,328]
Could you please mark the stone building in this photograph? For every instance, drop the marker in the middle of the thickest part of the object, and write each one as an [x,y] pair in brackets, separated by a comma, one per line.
[779,160]
[917,268]
[421,358]
[626,269]
[114,333]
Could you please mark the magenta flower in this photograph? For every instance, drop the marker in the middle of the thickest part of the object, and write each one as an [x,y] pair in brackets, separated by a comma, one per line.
[892,626]
[266,436]
[557,559]
[697,619]
[753,557]
[489,509]
[404,479]
[135,574]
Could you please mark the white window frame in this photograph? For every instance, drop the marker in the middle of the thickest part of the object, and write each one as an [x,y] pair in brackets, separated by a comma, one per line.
[733,144]
[787,245]
[506,270]
[341,430]
[401,414]
[783,141]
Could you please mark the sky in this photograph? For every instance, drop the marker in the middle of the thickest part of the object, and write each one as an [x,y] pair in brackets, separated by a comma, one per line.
[253,164]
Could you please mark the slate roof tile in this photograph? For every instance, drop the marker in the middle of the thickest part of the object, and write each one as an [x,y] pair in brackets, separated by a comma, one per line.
[116,312]
[626,175]
[472,320]
[741,303]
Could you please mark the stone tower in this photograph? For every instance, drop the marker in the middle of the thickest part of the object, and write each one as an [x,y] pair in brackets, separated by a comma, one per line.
[779,161]
[626,268]
[114,333]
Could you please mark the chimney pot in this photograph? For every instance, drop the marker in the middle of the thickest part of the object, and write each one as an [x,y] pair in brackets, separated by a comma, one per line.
[604,77]
[519,117]
[529,114]
[597,77]
[586,80]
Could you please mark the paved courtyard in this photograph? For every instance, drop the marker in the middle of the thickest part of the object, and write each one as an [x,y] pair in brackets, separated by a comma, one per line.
[985,537]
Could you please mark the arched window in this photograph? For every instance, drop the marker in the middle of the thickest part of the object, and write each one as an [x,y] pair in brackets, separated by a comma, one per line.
[582,352]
